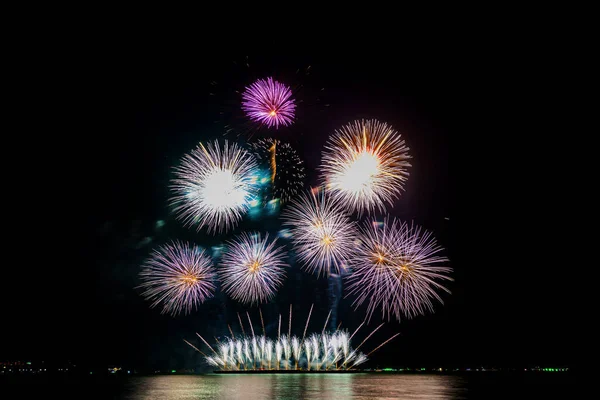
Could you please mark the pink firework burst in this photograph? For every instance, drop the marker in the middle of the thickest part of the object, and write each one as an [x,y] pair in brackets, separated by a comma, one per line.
[269,102]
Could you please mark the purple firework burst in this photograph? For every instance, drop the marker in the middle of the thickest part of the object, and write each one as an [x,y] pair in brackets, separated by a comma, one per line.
[252,269]
[322,234]
[178,276]
[269,102]
[397,268]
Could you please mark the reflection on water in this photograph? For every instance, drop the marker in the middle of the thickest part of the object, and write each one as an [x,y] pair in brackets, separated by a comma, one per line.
[301,386]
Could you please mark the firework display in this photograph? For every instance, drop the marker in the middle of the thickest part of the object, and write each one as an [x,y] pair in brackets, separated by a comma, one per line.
[213,186]
[397,269]
[322,233]
[390,268]
[365,165]
[285,166]
[252,269]
[177,276]
[269,102]
[317,352]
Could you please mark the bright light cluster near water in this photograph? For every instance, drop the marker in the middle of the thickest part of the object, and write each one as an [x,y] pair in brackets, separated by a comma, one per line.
[214,185]
[252,268]
[365,165]
[321,231]
[397,269]
[318,352]
[177,276]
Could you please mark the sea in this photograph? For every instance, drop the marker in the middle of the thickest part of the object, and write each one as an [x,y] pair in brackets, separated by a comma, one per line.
[482,385]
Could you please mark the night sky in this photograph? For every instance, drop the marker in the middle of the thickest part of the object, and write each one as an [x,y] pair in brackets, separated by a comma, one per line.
[131,119]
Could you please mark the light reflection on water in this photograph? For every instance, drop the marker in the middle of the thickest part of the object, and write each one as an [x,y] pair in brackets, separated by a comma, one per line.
[297,386]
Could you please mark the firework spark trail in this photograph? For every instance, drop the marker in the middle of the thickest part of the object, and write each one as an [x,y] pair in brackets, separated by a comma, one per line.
[262,322]
[326,321]
[307,320]
[250,322]
[179,276]
[290,323]
[252,269]
[273,150]
[195,348]
[213,186]
[285,166]
[206,343]
[230,331]
[377,348]
[241,325]
[279,328]
[365,165]
[396,269]
[359,360]
[367,338]
[357,329]
[269,102]
[322,233]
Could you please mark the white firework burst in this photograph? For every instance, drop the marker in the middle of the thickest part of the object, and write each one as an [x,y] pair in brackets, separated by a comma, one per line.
[178,276]
[365,165]
[322,233]
[397,269]
[213,186]
[252,269]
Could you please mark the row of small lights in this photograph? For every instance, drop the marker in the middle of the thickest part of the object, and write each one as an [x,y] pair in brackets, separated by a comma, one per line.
[469,369]
[114,370]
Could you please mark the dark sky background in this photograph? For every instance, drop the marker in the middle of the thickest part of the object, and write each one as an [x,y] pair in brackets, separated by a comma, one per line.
[132,118]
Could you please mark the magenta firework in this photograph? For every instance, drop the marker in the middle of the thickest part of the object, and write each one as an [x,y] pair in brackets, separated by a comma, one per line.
[214,185]
[397,269]
[252,269]
[269,102]
[177,276]
[365,165]
[322,233]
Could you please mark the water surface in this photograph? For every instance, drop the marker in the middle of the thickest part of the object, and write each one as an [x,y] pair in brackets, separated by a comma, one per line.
[296,386]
